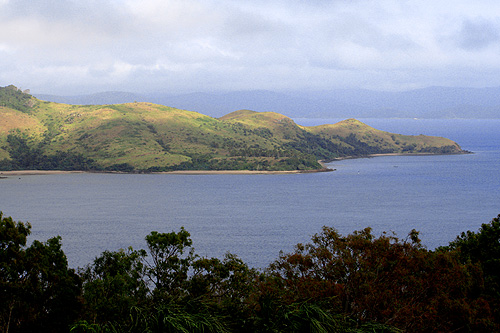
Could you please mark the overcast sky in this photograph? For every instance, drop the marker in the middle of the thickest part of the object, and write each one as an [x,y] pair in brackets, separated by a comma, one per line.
[178,46]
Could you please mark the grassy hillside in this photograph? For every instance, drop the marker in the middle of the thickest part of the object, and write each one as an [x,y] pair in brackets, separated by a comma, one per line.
[351,130]
[35,134]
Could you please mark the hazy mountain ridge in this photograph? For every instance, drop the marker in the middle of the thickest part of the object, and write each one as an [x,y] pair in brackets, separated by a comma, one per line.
[432,102]
[37,134]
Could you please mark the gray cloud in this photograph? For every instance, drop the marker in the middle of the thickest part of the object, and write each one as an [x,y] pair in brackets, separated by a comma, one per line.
[70,47]
[478,34]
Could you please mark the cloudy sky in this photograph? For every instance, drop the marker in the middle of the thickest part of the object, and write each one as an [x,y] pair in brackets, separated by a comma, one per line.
[179,46]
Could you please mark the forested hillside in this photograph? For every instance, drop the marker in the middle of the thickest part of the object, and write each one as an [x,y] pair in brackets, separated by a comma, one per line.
[146,137]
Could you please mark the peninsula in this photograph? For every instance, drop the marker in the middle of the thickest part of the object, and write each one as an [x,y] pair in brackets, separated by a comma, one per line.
[146,137]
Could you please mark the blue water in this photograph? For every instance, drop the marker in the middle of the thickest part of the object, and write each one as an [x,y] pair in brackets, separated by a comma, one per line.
[256,216]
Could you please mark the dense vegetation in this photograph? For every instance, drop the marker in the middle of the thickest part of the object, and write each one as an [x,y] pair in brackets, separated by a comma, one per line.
[14,98]
[144,137]
[354,283]
[28,156]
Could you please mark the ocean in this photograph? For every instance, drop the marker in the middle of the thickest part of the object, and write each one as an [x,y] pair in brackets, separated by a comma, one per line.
[257,216]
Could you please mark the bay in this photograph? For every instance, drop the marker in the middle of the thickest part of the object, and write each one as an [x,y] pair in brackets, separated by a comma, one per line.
[256,216]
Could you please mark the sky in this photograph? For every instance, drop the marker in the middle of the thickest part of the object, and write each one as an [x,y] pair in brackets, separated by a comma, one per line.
[76,47]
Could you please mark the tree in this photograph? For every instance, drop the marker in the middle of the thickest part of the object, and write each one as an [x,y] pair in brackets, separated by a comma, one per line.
[224,286]
[52,290]
[168,268]
[12,239]
[383,280]
[38,290]
[482,248]
[113,284]
[118,298]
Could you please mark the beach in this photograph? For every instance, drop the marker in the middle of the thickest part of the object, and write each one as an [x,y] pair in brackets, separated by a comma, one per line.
[176,172]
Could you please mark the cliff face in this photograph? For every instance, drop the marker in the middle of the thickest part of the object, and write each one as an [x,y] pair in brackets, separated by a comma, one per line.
[35,134]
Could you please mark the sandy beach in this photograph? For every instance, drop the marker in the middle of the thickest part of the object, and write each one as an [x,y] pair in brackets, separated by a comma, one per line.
[4,174]
[240,172]
[178,172]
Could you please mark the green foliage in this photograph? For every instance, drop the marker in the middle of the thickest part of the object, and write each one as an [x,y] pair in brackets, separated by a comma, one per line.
[482,248]
[224,286]
[226,280]
[12,237]
[114,283]
[38,290]
[121,167]
[143,137]
[354,283]
[164,318]
[52,288]
[210,299]
[309,316]
[327,149]
[12,97]
[361,148]
[167,269]
[438,150]
[290,160]
[26,155]
[174,318]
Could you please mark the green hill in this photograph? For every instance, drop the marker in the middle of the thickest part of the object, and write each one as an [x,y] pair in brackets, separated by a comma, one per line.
[35,134]
[353,132]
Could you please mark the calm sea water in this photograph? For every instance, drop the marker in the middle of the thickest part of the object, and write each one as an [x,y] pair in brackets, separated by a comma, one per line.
[256,216]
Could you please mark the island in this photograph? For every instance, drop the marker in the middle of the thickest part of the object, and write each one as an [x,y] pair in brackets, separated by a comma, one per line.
[145,137]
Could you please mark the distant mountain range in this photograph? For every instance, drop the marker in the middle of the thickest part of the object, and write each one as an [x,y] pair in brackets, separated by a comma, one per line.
[432,102]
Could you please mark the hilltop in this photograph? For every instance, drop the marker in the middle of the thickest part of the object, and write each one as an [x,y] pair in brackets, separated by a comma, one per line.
[147,137]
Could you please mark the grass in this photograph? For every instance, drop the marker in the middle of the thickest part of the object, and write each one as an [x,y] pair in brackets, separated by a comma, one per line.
[395,143]
[146,135]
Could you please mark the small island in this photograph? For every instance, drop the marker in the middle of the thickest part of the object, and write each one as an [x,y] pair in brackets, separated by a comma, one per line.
[145,137]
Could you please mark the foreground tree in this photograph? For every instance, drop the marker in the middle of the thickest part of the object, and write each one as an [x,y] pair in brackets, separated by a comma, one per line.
[225,287]
[12,240]
[129,291]
[38,290]
[336,283]
[482,248]
[384,280]
[168,265]
[113,284]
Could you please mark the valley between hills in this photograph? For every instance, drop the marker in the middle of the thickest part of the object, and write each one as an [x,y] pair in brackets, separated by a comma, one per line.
[147,137]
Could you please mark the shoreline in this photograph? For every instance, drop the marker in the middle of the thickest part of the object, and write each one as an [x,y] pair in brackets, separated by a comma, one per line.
[240,172]
[325,168]
[394,154]
[37,172]
[5,174]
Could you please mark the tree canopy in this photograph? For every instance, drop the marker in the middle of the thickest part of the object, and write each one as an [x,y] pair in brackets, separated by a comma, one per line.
[39,292]
[355,283]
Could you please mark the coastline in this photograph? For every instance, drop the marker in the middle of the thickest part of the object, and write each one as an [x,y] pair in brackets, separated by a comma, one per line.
[36,172]
[240,172]
[5,174]
[325,168]
[395,154]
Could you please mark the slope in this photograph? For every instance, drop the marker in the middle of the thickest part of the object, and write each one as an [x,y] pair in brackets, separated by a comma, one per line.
[36,134]
[355,133]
